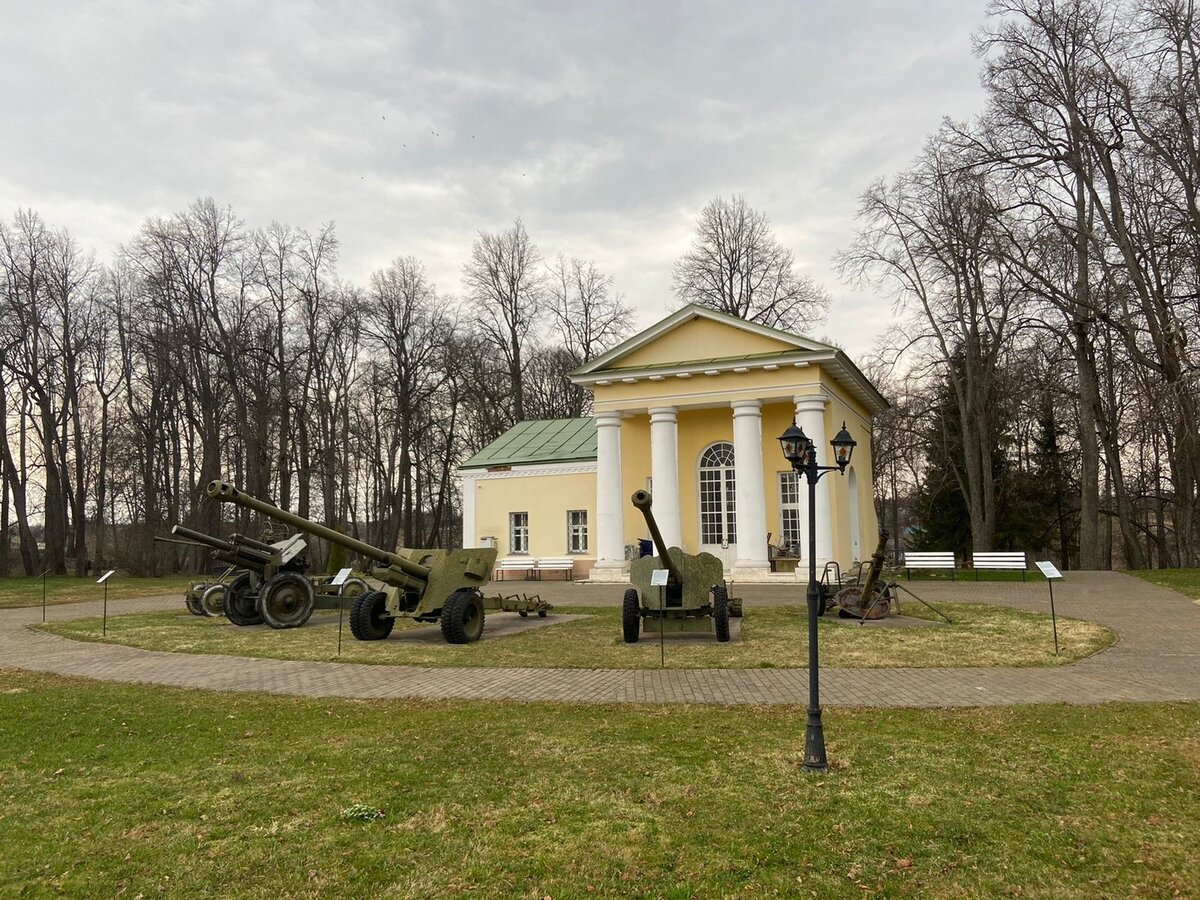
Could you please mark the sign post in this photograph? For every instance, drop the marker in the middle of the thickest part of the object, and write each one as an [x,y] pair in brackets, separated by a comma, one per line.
[338,580]
[658,578]
[44,574]
[104,581]
[1051,572]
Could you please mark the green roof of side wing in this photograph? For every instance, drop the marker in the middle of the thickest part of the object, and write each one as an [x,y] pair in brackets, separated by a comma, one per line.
[542,441]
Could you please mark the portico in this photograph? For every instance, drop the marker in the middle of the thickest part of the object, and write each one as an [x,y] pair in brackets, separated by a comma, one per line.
[689,409]
[682,409]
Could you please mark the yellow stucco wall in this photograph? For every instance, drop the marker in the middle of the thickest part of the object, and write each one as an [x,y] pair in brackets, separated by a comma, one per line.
[546,498]
[701,338]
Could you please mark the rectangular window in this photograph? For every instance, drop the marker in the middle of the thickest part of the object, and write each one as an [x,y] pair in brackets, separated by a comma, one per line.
[790,536]
[577,538]
[518,532]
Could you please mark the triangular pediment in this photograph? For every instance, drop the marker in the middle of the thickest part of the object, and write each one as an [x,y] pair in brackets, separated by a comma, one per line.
[698,334]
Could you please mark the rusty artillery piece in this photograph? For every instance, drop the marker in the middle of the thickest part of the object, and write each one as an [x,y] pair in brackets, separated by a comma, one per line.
[876,596]
[694,598]
[873,598]
[425,585]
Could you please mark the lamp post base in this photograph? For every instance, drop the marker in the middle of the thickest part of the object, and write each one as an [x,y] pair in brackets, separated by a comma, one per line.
[814,744]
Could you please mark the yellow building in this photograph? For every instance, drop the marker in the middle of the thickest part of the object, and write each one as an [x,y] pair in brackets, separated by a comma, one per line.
[690,408]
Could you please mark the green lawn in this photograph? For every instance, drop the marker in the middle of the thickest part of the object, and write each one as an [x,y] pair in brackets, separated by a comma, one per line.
[112,790]
[1185,581]
[16,592]
[772,637]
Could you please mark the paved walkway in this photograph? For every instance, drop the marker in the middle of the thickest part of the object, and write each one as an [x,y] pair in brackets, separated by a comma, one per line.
[1157,657]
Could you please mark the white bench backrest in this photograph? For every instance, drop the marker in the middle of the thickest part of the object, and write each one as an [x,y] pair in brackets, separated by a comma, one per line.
[998,560]
[556,562]
[936,559]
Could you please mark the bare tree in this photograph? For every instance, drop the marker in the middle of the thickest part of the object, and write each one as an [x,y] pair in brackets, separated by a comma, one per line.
[505,287]
[736,265]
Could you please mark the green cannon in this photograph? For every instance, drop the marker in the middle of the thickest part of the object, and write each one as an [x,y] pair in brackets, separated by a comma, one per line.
[268,582]
[425,585]
[694,598]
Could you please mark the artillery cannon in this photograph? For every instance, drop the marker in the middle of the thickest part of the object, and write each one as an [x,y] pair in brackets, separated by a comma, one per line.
[424,585]
[251,591]
[693,599]
[873,598]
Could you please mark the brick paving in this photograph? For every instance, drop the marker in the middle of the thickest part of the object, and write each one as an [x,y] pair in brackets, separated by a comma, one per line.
[1156,657]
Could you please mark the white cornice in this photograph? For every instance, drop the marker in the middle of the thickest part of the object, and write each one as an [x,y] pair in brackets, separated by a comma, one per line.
[529,471]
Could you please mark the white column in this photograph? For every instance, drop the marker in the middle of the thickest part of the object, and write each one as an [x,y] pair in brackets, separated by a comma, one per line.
[664,469]
[610,516]
[750,497]
[810,416]
[470,538]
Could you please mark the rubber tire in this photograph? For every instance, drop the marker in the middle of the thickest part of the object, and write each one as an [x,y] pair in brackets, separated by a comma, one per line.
[631,616]
[367,619]
[286,618]
[241,606]
[523,613]
[462,617]
[193,605]
[541,614]
[210,605]
[721,612]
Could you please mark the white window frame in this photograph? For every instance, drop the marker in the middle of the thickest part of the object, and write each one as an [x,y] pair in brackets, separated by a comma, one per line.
[794,542]
[577,531]
[522,529]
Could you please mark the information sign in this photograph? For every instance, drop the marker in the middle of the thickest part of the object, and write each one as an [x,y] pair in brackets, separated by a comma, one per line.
[1048,569]
[103,578]
[340,578]
[658,578]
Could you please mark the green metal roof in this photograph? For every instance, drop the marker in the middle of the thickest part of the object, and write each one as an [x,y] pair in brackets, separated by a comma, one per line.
[541,441]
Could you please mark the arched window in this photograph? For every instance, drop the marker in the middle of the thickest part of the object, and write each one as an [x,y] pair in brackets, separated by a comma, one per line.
[718,516]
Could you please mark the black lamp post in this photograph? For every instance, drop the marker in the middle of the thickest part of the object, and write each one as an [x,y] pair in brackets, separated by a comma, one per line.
[801,452]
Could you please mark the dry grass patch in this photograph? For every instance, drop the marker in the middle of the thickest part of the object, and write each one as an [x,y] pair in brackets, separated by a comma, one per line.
[772,637]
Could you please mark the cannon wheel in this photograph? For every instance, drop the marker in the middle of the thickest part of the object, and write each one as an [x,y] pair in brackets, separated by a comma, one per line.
[212,601]
[192,604]
[352,588]
[721,612]
[367,619]
[855,606]
[286,601]
[631,616]
[241,602]
[462,617]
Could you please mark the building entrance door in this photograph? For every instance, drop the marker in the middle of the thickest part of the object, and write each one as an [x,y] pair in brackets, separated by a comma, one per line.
[718,516]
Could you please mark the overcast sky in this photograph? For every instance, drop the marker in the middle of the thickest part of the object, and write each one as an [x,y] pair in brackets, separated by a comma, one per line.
[604,126]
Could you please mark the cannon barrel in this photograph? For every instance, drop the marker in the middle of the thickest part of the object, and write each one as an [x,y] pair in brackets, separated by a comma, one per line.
[876,569]
[219,490]
[227,551]
[643,501]
[199,537]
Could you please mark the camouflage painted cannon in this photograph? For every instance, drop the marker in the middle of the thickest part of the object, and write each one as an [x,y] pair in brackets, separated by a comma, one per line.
[694,598]
[425,585]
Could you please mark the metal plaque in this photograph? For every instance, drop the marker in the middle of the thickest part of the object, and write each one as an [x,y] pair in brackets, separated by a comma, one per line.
[103,578]
[1048,569]
[658,578]
[340,578]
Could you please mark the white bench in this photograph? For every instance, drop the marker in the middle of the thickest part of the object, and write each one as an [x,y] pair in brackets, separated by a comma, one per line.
[556,564]
[524,564]
[1012,562]
[934,559]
